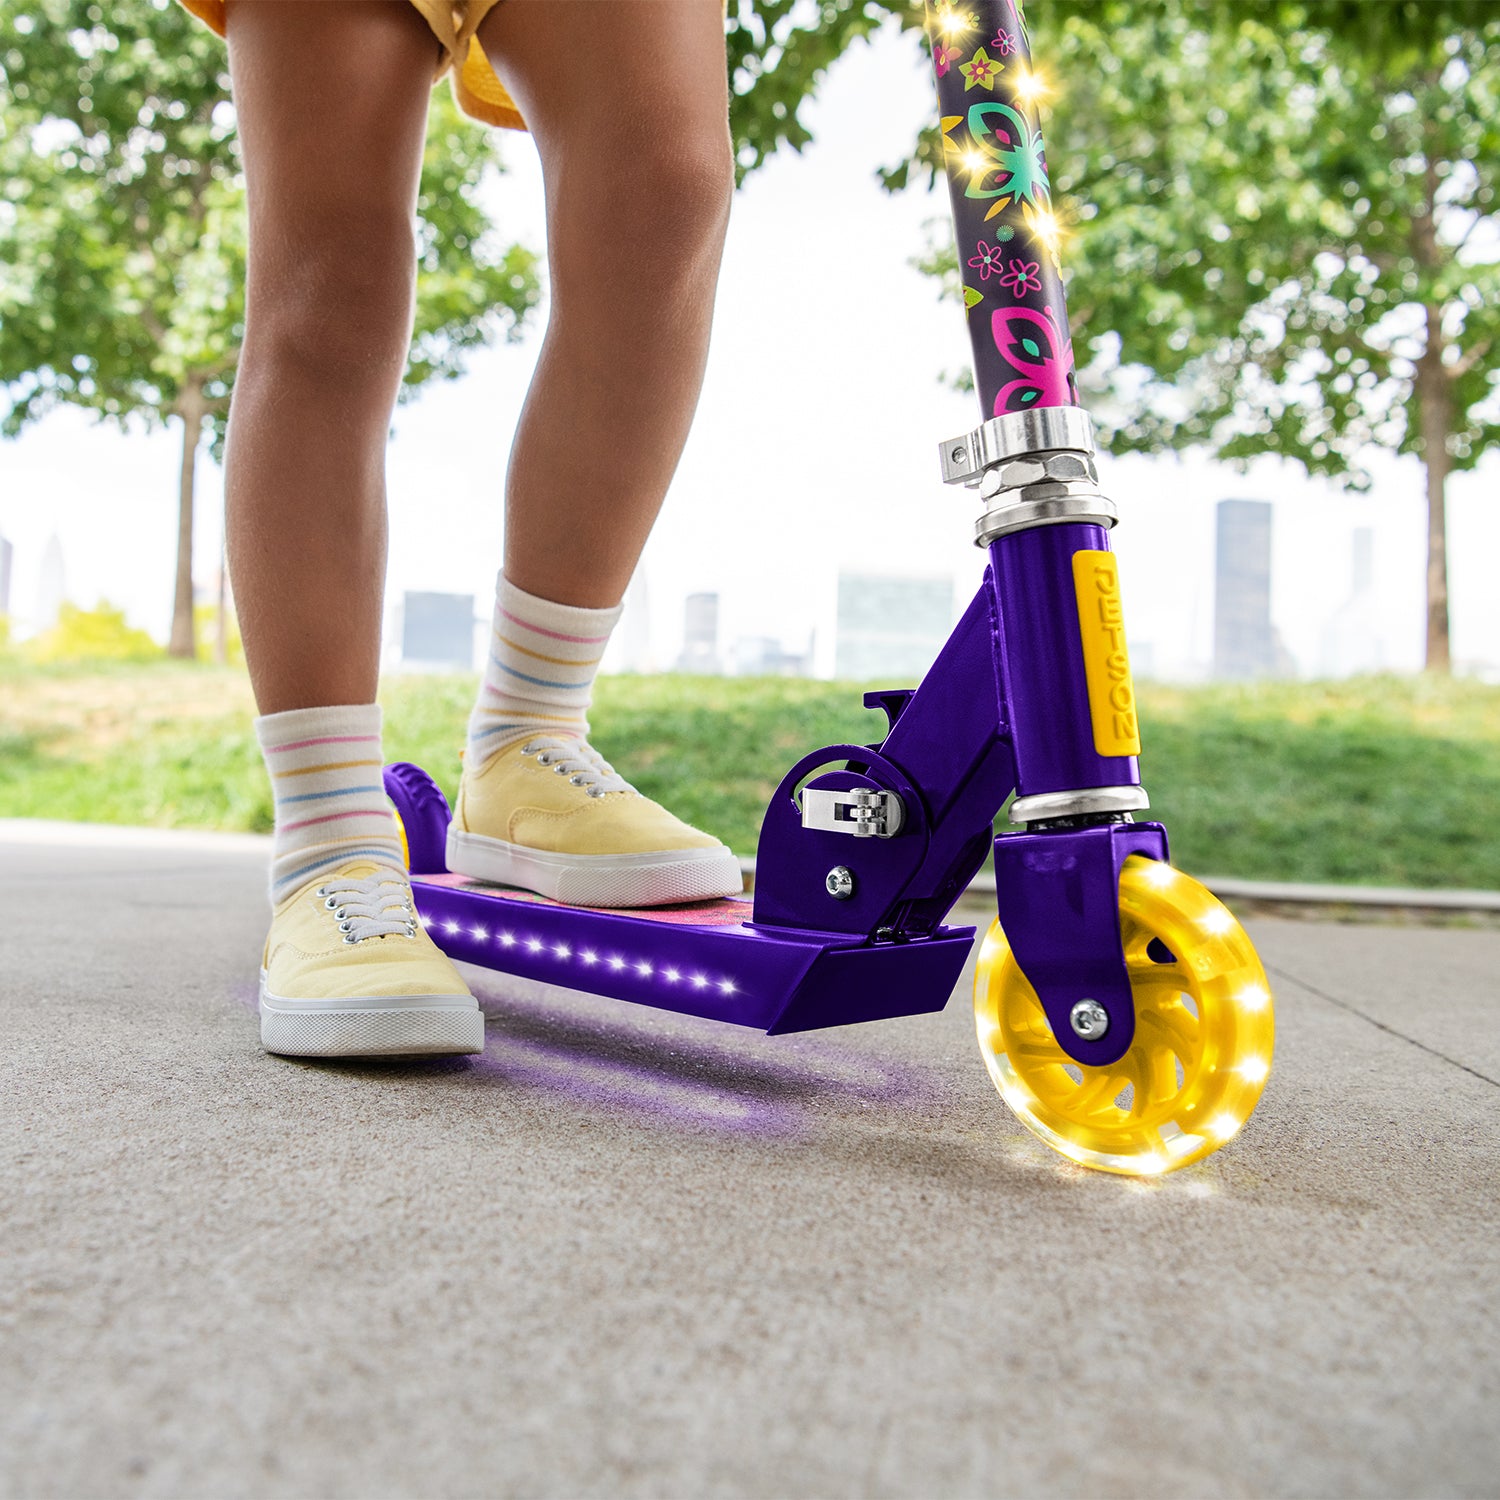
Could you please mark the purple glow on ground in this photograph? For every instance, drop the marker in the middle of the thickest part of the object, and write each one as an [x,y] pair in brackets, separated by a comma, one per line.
[688,1073]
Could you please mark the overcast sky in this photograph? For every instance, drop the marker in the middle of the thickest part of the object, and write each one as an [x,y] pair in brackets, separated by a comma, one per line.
[813,451]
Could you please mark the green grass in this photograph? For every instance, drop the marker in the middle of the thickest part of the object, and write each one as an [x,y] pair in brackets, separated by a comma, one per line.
[1385,780]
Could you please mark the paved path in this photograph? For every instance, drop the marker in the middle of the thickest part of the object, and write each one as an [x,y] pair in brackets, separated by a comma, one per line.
[629,1254]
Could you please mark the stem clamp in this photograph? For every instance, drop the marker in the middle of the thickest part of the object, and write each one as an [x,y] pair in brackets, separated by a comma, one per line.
[1032,468]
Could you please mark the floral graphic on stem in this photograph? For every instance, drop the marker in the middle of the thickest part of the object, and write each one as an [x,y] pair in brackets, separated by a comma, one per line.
[944,57]
[1024,276]
[981,71]
[987,261]
[1005,43]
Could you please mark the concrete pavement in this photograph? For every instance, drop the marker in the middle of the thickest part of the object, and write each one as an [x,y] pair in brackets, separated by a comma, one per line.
[625,1253]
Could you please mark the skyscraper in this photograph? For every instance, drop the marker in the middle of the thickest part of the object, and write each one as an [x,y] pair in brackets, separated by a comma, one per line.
[1244,642]
[891,627]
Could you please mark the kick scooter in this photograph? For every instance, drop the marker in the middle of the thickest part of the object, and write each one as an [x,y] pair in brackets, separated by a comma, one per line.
[1121,1009]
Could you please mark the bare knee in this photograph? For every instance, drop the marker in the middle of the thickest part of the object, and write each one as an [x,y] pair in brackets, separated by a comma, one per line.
[661,201]
[333,302]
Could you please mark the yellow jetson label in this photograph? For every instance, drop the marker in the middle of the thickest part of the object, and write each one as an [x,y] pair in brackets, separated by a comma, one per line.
[1096,581]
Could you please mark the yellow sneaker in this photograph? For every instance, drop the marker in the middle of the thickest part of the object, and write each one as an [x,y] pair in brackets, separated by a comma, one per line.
[550,815]
[349,971]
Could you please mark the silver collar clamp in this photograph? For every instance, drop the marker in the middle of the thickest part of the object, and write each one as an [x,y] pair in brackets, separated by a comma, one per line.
[1031,468]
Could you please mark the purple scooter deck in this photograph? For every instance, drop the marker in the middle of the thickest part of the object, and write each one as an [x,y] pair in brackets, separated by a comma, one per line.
[704,959]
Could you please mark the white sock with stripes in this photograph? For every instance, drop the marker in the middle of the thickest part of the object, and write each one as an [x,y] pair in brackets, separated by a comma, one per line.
[325,767]
[539,672]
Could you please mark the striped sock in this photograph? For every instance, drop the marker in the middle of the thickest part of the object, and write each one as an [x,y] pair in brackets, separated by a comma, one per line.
[325,766]
[539,674]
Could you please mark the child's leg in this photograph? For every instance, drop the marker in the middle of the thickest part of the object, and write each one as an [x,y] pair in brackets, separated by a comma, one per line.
[332,104]
[628,104]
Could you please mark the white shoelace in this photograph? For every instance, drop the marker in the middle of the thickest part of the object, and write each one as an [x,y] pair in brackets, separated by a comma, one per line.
[375,906]
[579,762]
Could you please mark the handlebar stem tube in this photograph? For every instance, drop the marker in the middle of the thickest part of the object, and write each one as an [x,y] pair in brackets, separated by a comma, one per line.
[1004,231]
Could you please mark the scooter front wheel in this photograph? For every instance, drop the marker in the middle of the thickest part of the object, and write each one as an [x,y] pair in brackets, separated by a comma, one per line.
[1203,1038]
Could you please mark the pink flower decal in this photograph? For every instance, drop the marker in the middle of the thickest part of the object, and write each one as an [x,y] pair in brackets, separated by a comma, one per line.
[987,261]
[1005,44]
[1024,276]
[944,56]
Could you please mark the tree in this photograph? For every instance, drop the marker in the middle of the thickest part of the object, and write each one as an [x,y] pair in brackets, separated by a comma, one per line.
[1284,234]
[122,253]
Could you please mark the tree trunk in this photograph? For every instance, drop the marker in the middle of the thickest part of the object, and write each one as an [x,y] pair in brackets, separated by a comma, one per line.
[190,406]
[221,638]
[1435,403]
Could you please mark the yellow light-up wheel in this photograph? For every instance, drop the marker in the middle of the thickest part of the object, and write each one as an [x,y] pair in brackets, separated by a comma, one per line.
[401,830]
[1204,1032]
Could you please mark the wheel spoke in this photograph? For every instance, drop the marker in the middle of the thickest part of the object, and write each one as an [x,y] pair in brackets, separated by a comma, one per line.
[1098,1094]
[1161,1073]
[1172,1027]
[1039,1051]
[1148,971]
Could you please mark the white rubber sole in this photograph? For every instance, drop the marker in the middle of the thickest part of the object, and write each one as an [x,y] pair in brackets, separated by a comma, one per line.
[371,1026]
[664,878]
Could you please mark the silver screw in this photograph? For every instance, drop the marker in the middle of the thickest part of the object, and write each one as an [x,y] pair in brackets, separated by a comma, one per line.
[959,455]
[840,882]
[1090,1020]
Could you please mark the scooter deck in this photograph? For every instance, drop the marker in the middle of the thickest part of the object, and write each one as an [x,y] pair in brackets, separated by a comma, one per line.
[705,958]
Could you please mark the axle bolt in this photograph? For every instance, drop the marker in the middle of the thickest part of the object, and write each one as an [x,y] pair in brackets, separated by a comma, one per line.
[840,882]
[1090,1020]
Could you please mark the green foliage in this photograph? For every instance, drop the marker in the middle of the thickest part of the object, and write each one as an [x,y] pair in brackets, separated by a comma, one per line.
[121,238]
[90,635]
[778,53]
[1279,215]
[1291,781]
[122,220]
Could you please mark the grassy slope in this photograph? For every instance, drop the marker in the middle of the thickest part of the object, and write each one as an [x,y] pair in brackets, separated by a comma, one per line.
[1380,780]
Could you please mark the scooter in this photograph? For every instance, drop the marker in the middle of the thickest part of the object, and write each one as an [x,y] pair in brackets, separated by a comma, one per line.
[1121,1009]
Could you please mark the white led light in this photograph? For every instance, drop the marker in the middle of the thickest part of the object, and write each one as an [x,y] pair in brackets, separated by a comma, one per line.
[425,920]
[699,982]
[727,985]
[672,975]
[589,956]
[479,932]
[1159,874]
[506,940]
[1029,86]
[450,926]
[534,945]
[562,950]
[1254,997]
[617,964]
[643,968]
[1221,1127]
[1217,920]
[1254,1070]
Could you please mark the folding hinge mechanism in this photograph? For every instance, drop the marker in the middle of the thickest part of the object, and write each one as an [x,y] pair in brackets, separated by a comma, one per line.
[862,812]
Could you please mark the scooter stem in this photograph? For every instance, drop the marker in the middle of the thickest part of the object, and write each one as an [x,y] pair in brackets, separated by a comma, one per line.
[1003,224]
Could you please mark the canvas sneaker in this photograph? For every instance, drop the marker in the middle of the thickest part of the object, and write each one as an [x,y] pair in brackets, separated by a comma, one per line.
[550,815]
[349,971]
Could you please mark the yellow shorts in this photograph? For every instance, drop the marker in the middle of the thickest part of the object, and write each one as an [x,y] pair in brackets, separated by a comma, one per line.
[479,93]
